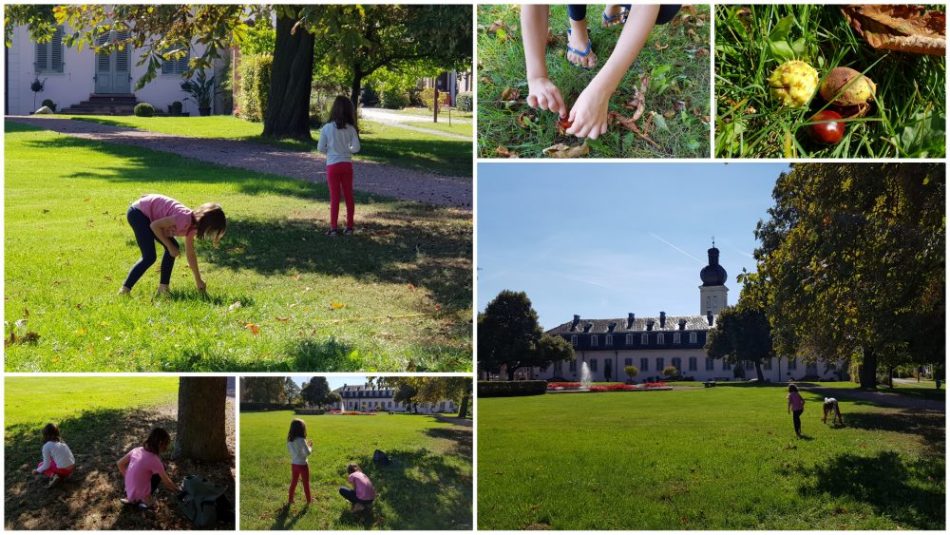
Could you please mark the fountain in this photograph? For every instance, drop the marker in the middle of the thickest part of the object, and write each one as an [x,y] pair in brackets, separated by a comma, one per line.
[585,377]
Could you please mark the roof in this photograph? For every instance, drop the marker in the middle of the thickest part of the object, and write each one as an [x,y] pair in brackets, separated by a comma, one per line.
[693,323]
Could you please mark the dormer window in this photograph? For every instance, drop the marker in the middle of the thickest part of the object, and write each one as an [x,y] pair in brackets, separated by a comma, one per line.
[692,338]
[676,338]
[574,340]
[629,339]
[609,341]
[593,340]
[660,339]
[644,339]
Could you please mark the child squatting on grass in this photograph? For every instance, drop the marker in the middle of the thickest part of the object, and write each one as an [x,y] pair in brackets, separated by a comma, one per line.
[362,494]
[159,218]
[143,470]
[588,116]
[339,140]
[58,461]
[300,448]
[830,406]
[796,405]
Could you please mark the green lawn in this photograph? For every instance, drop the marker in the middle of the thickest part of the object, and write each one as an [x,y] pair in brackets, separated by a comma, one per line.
[717,458]
[676,57]
[380,143]
[907,119]
[461,129]
[426,112]
[395,296]
[428,486]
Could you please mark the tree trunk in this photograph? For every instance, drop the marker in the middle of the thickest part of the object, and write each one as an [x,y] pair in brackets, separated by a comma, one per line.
[463,407]
[868,372]
[201,433]
[758,372]
[355,86]
[511,372]
[890,377]
[435,101]
[288,105]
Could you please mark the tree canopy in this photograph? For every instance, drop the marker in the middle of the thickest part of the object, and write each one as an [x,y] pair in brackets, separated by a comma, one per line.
[424,389]
[317,392]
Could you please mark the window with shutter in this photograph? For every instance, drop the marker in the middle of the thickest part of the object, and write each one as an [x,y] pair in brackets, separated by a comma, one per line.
[49,55]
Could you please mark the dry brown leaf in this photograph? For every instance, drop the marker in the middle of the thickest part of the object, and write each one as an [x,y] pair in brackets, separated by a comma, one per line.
[495,26]
[524,119]
[510,93]
[253,327]
[702,52]
[905,28]
[669,114]
[631,124]
[660,46]
[562,150]
[679,105]
[485,80]
[504,152]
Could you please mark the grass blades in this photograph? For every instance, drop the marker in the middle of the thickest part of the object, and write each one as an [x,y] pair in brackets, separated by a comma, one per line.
[428,486]
[906,121]
[676,56]
[395,296]
[698,458]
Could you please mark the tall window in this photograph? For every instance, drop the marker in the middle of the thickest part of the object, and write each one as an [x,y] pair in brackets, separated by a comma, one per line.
[644,364]
[593,340]
[692,338]
[593,365]
[692,364]
[574,340]
[726,366]
[176,66]
[660,338]
[628,362]
[49,55]
[644,339]
[572,365]
[629,339]
[659,364]
[610,340]
[678,363]
[710,364]
[676,338]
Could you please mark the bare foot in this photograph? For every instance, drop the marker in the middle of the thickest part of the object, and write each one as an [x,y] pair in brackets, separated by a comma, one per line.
[578,42]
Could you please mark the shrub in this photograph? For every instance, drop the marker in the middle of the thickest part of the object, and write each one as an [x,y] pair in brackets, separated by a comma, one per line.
[495,389]
[394,99]
[253,406]
[310,411]
[670,371]
[174,109]
[428,97]
[631,371]
[254,86]
[49,104]
[368,97]
[144,109]
[463,101]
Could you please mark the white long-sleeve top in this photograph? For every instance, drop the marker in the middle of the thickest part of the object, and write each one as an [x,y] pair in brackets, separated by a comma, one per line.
[338,144]
[299,450]
[57,452]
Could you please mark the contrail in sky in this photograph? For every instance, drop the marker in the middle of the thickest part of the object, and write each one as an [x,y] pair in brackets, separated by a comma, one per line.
[677,248]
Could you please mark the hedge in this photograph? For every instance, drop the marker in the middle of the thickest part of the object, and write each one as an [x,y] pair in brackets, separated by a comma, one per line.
[309,411]
[394,99]
[143,109]
[253,406]
[463,101]
[254,86]
[497,389]
[428,97]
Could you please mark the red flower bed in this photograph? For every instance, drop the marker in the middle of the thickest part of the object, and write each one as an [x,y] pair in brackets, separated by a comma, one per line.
[658,384]
[555,386]
[612,387]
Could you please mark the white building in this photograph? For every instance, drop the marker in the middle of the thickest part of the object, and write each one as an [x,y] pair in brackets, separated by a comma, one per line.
[81,81]
[653,343]
[367,398]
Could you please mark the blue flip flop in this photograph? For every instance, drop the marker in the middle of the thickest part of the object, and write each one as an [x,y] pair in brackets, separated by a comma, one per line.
[612,20]
[582,53]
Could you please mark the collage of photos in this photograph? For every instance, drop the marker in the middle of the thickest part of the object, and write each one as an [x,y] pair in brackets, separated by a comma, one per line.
[470,266]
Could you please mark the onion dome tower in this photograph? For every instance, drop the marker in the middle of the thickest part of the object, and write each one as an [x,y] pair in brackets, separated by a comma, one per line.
[713,294]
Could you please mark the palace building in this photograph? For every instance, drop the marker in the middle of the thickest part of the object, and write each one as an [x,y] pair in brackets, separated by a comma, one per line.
[653,343]
[367,398]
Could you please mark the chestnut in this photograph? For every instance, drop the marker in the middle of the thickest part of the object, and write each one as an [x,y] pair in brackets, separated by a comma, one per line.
[829,132]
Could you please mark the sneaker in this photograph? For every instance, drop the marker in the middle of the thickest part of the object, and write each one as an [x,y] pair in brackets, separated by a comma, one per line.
[348,231]
[357,507]
[53,481]
[332,232]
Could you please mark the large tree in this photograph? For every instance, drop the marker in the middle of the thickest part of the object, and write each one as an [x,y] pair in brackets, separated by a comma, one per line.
[852,261]
[742,334]
[263,389]
[317,392]
[202,415]
[424,389]
[509,336]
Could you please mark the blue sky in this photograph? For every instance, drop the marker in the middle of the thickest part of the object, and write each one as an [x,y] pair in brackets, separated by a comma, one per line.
[602,240]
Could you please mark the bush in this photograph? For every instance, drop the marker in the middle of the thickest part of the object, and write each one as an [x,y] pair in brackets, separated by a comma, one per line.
[368,97]
[670,371]
[174,109]
[254,86]
[144,109]
[497,389]
[631,371]
[310,411]
[463,101]
[49,104]
[428,96]
[395,99]
[253,406]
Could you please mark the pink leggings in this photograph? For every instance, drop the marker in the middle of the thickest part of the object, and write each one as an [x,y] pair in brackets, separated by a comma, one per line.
[340,181]
[55,470]
[301,472]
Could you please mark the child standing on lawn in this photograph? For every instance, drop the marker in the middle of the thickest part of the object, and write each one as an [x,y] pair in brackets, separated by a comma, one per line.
[58,461]
[300,448]
[339,140]
[588,116]
[363,493]
[796,405]
[159,218]
[143,471]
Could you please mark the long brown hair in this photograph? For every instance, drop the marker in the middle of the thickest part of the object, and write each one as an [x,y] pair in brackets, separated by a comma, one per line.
[210,221]
[342,113]
[298,429]
[51,433]
[158,440]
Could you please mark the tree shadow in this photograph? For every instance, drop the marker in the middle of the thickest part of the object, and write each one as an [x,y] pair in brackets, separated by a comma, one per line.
[418,491]
[284,520]
[889,485]
[461,436]
[928,425]
[89,498]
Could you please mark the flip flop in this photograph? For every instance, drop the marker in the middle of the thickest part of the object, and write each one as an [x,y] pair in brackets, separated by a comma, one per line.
[582,53]
[612,20]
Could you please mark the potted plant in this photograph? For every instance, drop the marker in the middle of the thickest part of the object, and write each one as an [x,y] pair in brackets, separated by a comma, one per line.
[174,109]
[631,372]
[37,87]
[201,90]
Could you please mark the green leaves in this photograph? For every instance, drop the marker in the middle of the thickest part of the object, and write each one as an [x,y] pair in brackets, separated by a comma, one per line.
[781,48]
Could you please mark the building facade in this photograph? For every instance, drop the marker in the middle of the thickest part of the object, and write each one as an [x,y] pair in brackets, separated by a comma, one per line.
[368,398]
[653,343]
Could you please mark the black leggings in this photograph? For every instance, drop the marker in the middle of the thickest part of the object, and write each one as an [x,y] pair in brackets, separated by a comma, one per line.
[797,420]
[667,12]
[141,226]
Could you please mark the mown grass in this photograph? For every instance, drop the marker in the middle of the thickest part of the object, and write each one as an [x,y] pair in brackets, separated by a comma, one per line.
[676,60]
[426,112]
[717,458]
[907,119]
[428,486]
[395,296]
[381,143]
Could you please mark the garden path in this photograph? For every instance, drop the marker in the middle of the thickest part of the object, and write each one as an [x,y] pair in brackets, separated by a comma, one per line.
[401,120]
[380,179]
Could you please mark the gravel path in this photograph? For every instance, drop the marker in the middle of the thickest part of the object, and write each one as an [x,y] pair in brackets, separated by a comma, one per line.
[400,120]
[380,179]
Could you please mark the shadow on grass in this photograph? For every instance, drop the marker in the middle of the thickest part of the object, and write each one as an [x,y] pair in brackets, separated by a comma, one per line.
[928,425]
[329,355]
[462,436]
[418,491]
[285,520]
[910,493]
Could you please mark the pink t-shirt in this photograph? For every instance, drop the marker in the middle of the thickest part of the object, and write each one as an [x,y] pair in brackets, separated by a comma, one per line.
[363,486]
[796,400]
[156,207]
[143,464]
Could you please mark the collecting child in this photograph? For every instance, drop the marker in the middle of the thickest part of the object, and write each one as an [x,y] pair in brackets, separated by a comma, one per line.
[58,461]
[159,218]
[830,406]
[300,448]
[143,471]
[362,494]
[339,140]
[796,405]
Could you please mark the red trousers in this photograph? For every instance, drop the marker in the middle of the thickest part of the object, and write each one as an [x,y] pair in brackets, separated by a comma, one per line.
[55,470]
[340,181]
[301,472]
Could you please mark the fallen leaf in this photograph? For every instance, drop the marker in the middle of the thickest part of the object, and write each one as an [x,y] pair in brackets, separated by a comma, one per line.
[485,80]
[524,119]
[660,46]
[562,150]
[504,152]
[411,286]
[234,306]
[679,105]
[284,320]
[669,114]
[438,308]
[253,327]
[334,305]
[702,52]
[904,28]
[495,25]
[297,277]
[81,331]
[510,93]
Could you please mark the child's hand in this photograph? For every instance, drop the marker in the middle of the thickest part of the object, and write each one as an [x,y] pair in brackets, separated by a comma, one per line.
[309,442]
[589,114]
[544,95]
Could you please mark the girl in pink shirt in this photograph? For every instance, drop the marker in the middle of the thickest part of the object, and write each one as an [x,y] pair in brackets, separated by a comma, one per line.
[796,405]
[362,494]
[159,218]
[143,470]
